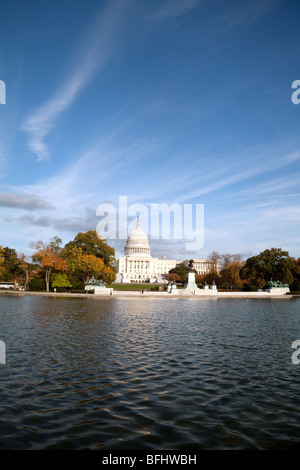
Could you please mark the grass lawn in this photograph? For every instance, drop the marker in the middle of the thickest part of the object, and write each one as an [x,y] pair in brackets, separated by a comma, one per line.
[138,287]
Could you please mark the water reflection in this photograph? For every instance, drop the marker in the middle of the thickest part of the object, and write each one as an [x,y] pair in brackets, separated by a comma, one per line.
[126,374]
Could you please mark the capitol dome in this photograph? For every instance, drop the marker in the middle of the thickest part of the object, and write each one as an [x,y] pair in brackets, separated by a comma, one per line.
[137,243]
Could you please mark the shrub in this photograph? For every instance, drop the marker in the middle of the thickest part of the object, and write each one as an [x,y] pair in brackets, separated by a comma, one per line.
[250,288]
[37,285]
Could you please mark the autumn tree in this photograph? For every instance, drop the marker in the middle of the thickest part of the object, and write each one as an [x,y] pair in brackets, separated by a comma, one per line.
[91,266]
[85,266]
[173,277]
[230,275]
[108,274]
[48,257]
[1,261]
[199,279]
[215,256]
[211,277]
[230,266]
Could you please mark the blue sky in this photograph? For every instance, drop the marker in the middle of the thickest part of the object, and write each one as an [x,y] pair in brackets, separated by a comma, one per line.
[161,101]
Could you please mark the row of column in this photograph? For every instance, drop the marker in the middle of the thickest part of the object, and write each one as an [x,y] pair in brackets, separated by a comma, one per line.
[141,251]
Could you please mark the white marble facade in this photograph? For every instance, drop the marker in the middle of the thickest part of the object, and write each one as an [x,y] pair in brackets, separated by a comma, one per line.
[138,266]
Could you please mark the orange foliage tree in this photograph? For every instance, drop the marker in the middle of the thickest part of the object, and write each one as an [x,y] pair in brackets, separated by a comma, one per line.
[48,257]
[85,266]
[1,261]
[173,277]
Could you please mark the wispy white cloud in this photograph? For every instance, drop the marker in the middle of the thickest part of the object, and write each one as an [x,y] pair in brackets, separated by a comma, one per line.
[251,169]
[268,192]
[174,8]
[96,48]
[244,13]
[23,201]
[278,199]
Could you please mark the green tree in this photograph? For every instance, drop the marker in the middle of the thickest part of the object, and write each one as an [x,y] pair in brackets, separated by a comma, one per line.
[91,244]
[270,265]
[11,265]
[36,284]
[60,280]
[296,274]
[182,270]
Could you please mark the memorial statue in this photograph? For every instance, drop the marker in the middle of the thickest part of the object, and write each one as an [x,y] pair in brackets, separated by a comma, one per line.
[171,288]
[278,284]
[93,283]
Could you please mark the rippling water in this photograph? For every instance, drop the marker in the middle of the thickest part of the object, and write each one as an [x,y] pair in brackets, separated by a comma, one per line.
[149,375]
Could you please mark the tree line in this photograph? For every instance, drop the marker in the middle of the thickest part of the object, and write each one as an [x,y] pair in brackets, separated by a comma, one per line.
[71,266]
[272,264]
[53,265]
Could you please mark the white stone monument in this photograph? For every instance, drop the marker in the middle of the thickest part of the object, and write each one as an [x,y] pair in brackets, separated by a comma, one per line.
[278,288]
[191,285]
[214,287]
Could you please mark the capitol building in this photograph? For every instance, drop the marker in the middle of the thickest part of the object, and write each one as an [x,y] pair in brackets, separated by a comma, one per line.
[138,266]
